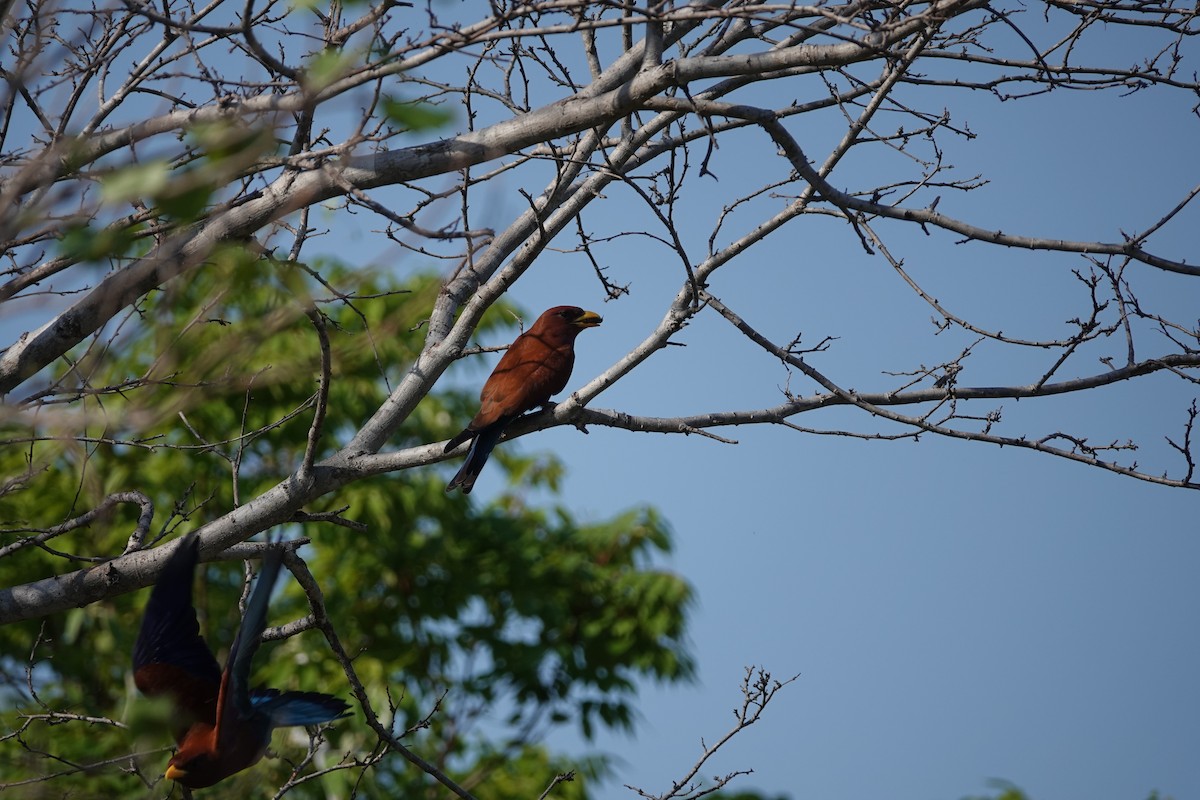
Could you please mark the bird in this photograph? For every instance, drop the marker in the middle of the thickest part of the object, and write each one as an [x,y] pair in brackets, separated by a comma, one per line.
[223,725]
[536,366]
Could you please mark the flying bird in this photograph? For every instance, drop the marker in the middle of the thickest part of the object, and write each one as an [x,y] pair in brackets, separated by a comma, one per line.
[224,726]
[536,366]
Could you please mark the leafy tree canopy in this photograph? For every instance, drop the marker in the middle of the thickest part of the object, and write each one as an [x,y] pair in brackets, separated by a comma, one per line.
[481,626]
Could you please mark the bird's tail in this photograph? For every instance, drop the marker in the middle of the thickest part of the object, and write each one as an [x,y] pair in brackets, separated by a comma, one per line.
[459,438]
[477,456]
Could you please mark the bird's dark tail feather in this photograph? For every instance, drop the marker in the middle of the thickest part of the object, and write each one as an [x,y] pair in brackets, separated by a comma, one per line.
[477,456]
[461,437]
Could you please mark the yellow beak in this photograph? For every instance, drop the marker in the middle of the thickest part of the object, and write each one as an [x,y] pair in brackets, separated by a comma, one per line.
[589,319]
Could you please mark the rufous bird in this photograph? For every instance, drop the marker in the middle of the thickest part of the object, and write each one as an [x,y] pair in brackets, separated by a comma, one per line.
[224,725]
[536,366]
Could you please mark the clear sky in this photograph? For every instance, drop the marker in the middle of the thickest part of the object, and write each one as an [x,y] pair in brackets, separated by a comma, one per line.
[955,612]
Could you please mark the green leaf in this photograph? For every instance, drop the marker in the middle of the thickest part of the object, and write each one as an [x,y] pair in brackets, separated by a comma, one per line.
[186,205]
[414,116]
[325,67]
[85,243]
[224,139]
[135,181]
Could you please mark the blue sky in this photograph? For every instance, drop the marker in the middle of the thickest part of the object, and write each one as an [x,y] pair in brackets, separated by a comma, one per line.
[955,612]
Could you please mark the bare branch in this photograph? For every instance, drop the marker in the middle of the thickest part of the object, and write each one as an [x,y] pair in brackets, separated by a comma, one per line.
[758,689]
[83,520]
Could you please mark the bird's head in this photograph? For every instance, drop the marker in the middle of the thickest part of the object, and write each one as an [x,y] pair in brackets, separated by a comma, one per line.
[575,316]
[194,764]
[204,757]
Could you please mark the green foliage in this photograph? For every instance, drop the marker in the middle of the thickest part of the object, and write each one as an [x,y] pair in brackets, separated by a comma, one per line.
[135,180]
[172,192]
[498,622]
[1009,791]
[326,66]
[414,116]
[83,242]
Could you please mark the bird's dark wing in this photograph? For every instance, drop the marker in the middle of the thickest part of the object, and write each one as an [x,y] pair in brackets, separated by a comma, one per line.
[170,657]
[234,703]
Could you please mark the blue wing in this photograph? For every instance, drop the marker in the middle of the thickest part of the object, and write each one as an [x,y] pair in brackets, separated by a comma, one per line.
[298,708]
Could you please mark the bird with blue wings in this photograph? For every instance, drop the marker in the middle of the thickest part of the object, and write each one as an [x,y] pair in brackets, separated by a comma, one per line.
[224,725]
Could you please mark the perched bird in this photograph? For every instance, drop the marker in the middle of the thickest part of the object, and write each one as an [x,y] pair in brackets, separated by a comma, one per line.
[224,726]
[536,366]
